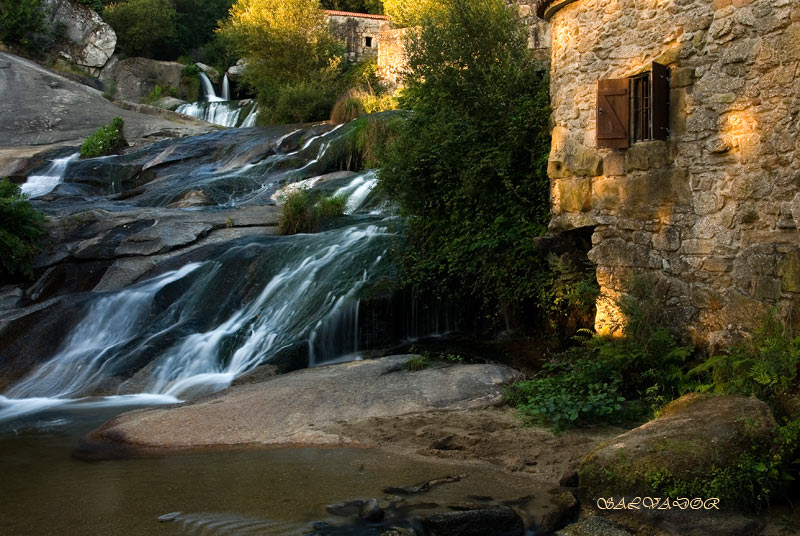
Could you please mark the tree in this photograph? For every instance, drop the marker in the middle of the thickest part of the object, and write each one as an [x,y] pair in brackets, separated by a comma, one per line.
[407,13]
[21,21]
[21,227]
[144,27]
[469,168]
[287,44]
[374,7]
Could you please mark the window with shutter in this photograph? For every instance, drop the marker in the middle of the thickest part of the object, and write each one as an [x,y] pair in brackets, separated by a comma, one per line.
[613,113]
[633,109]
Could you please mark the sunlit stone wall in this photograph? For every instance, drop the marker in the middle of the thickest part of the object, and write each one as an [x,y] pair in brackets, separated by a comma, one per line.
[713,213]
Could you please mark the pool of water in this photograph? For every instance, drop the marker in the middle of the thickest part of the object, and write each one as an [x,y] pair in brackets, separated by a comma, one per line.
[271,492]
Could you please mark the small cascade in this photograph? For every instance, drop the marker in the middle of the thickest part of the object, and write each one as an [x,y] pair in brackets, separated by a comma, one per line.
[250,120]
[358,190]
[226,88]
[224,113]
[39,185]
[208,88]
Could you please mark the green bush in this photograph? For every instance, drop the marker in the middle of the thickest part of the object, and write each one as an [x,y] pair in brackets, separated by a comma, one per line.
[143,27]
[22,22]
[346,109]
[308,212]
[468,168]
[105,140]
[418,363]
[610,378]
[96,5]
[21,227]
[158,93]
[765,366]
[300,103]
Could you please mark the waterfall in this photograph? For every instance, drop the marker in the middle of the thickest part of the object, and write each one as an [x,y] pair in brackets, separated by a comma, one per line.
[193,330]
[226,88]
[208,88]
[224,113]
[39,185]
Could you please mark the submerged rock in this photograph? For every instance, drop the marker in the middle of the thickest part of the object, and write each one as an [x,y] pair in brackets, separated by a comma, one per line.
[563,509]
[371,511]
[496,521]
[593,526]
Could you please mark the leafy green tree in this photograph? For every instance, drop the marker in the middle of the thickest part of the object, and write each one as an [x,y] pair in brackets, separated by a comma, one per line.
[144,27]
[196,21]
[21,21]
[469,168]
[406,13]
[374,7]
[286,44]
[21,227]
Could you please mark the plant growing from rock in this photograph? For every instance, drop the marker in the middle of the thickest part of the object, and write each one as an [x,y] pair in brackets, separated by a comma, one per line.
[105,140]
[21,227]
[309,212]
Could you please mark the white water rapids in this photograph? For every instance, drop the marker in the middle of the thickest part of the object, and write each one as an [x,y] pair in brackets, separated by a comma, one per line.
[39,185]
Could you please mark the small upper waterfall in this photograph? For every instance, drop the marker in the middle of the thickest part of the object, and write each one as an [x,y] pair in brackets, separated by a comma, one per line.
[229,114]
[38,185]
[208,88]
[226,88]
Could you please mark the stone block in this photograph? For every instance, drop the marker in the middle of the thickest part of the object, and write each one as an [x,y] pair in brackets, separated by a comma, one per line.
[648,155]
[667,239]
[789,272]
[570,157]
[614,164]
[682,77]
[574,195]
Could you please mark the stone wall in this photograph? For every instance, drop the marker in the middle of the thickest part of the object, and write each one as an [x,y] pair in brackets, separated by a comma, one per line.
[539,30]
[712,213]
[360,32]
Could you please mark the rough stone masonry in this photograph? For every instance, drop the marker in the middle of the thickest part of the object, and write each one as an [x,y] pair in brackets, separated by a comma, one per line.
[712,212]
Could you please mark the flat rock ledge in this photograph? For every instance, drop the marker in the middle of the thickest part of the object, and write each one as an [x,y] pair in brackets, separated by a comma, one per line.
[293,410]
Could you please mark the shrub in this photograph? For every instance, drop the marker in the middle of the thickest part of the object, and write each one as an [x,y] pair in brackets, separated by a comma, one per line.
[105,140]
[158,93]
[21,22]
[418,363]
[21,227]
[301,103]
[143,27]
[765,366]
[468,167]
[346,109]
[308,212]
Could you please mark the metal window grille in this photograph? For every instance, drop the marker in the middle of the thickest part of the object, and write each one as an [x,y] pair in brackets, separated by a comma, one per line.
[642,116]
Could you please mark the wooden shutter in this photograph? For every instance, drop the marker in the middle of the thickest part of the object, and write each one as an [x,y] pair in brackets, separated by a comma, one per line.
[659,101]
[613,112]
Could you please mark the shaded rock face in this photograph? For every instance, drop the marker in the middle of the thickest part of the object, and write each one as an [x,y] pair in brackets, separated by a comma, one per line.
[693,435]
[137,77]
[91,41]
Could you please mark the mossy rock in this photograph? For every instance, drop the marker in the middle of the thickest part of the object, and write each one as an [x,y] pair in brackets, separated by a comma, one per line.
[692,437]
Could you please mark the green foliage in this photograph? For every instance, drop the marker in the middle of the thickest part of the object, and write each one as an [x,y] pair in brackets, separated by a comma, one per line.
[293,59]
[368,141]
[299,103]
[96,5]
[346,109]
[408,13]
[645,368]
[22,23]
[143,27]
[21,227]
[158,93]
[468,168]
[374,7]
[309,212]
[105,140]
[765,366]
[417,363]
[195,22]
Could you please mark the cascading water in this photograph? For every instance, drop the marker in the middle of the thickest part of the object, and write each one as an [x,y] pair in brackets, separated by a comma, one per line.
[226,88]
[208,322]
[39,185]
[208,88]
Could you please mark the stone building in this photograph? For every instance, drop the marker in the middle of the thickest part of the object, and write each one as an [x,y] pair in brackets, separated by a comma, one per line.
[361,32]
[677,145]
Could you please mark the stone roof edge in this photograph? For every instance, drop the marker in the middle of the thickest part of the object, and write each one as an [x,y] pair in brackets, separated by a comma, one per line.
[545,9]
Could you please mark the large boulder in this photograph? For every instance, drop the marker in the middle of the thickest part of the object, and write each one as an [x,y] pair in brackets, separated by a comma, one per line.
[90,41]
[137,77]
[693,436]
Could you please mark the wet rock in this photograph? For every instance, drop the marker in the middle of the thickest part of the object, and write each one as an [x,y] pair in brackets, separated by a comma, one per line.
[161,238]
[371,511]
[423,487]
[172,516]
[593,526]
[497,521]
[399,531]
[563,509]
[257,375]
[107,177]
[192,198]
[210,72]
[10,297]
[347,509]
[464,506]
